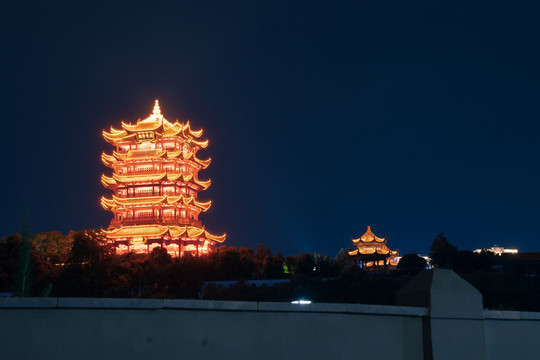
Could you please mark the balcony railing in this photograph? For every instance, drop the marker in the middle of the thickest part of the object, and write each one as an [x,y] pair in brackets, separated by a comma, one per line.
[146,220]
[145,194]
[155,193]
[147,171]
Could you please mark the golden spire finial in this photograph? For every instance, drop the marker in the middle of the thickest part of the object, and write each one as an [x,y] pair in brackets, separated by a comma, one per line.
[157,110]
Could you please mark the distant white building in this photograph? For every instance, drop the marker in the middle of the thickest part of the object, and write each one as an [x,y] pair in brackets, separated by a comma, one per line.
[498,250]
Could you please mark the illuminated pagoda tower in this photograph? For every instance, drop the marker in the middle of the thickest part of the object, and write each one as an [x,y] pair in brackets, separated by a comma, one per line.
[156,185]
[372,253]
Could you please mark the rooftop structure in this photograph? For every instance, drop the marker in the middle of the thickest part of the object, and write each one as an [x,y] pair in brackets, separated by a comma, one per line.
[372,253]
[156,183]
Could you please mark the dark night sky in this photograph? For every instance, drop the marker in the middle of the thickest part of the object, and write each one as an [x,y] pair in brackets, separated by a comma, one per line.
[323,118]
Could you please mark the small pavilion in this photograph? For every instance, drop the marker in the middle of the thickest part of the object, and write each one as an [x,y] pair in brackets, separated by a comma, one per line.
[372,254]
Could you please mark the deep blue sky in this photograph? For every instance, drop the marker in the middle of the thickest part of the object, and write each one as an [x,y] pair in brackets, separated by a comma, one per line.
[323,117]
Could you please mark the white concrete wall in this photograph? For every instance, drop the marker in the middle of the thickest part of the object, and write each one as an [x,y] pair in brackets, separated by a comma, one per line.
[453,327]
[184,329]
[458,327]
[512,335]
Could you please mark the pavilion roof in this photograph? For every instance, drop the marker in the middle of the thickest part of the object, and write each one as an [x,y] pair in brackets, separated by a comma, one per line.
[109,204]
[368,250]
[369,237]
[109,182]
[140,154]
[155,122]
[109,160]
[161,230]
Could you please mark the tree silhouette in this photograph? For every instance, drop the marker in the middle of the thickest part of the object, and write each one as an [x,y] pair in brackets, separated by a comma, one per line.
[23,277]
[9,253]
[412,264]
[442,252]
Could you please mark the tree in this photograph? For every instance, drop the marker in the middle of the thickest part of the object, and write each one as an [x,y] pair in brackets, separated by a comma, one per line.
[442,252]
[87,272]
[52,247]
[50,252]
[23,277]
[87,246]
[343,258]
[262,252]
[412,264]
[9,253]
[272,267]
[304,264]
[159,257]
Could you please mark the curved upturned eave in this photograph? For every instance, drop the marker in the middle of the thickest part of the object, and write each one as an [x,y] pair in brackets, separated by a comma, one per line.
[375,239]
[116,132]
[139,177]
[216,238]
[107,160]
[161,230]
[204,184]
[186,178]
[172,128]
[193,231]
[109,204]
[142,126]
[173,131]
[115,138]
[143,200]
[139,154]
[108,182]
[369,237]
[203,163]
[136,231]
[202,144]
[173,154]
[373,251]
[177,176]
[193,156]
[194,133]
[204,206]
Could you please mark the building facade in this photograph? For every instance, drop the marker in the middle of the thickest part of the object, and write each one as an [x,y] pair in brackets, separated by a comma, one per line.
[156,185]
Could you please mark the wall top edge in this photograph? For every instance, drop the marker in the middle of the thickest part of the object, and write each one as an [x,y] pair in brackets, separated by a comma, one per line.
[221,305]
[511,315]
[194,304]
